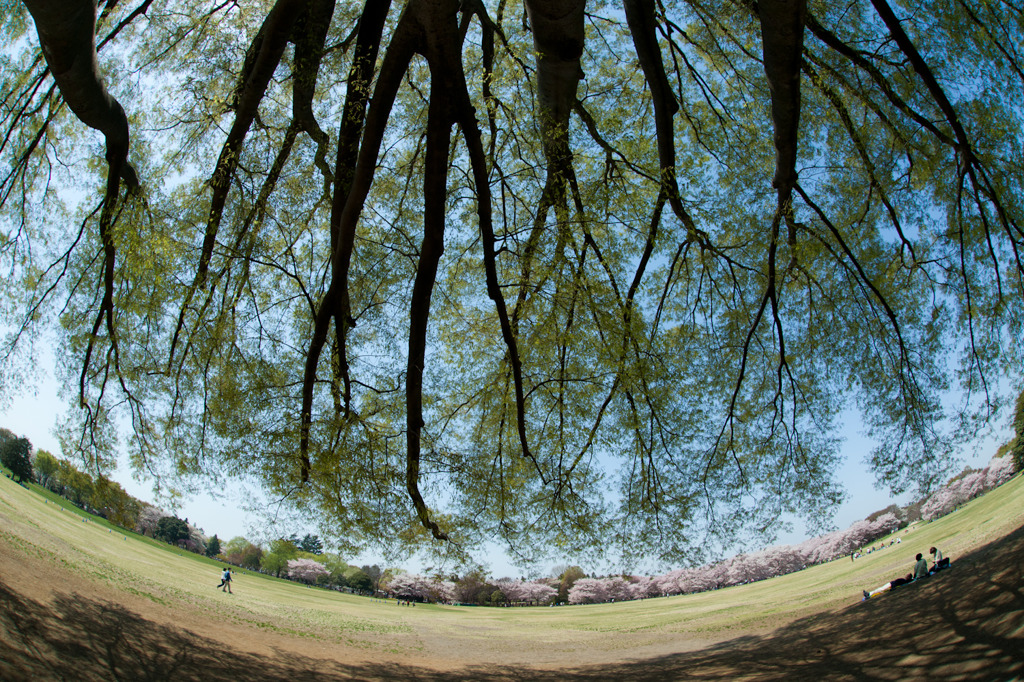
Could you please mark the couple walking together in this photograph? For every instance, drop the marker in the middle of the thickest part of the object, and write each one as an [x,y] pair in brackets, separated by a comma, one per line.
[225,581]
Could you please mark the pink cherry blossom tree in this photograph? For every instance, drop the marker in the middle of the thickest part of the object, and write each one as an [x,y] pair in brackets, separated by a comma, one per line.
[642,587]
[306,570]
[966,488]
[420,588]
[1000,470]
[149,517]
[529,592]
[588,591]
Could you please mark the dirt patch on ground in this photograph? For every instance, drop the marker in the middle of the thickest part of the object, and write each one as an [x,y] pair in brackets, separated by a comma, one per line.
[967,623]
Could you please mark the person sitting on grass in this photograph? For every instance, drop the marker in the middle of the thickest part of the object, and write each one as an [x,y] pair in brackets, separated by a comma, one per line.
[888,586]
[921,567]
[940,563]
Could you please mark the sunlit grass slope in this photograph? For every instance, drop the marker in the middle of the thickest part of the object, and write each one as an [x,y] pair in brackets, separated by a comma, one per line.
[37,526]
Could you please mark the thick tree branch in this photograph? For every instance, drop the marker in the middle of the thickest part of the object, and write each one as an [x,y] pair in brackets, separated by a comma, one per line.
[357,97]
[782,31]
[396,61]
[435,182]
[67,35]
[642,24]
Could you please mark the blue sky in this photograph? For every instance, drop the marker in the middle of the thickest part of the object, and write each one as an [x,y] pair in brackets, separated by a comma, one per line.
[34,414]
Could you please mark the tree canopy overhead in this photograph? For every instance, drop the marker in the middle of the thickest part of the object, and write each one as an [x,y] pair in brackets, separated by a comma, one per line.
[570,275]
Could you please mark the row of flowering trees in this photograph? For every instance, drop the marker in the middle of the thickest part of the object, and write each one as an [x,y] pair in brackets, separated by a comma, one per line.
[740,569]
[966,487]
[780,560]
[304,561]
[504,591]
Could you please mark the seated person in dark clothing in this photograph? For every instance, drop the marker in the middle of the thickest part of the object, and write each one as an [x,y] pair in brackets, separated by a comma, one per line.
[902,581]
[940,562]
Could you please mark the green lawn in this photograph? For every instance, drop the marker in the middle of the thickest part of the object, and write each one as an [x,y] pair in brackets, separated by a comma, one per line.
[33,523]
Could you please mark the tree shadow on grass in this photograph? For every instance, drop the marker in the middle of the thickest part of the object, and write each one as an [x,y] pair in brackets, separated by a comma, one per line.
[966,624]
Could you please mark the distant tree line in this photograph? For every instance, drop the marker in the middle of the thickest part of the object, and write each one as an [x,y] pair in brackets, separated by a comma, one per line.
[303,559]
[98,495]
[966,486]
[573,586]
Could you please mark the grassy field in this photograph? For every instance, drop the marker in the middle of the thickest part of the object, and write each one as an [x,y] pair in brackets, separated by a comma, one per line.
[37,528]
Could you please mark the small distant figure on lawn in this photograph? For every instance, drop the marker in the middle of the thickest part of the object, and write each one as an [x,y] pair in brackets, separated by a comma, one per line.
[892,584]
[921,567]
[225,581]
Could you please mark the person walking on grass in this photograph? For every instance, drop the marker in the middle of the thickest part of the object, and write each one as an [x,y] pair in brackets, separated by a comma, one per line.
[225,581]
